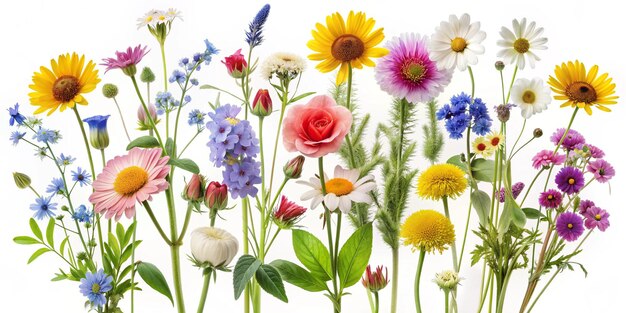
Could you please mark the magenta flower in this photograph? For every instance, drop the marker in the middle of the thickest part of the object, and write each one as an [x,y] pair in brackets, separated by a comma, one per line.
[593,151]
[408,71]
[550,199]
[126,61]
[546,158]
[569,226]
[572,139]
[602,170]
[584,206]
[287,214]
[597,217]
[570,180]
[516,189]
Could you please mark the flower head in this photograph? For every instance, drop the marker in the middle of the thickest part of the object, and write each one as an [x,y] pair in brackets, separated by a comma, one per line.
[532,96]
[43,208]
[441,180]
[21,180]
[293,168]
[16,116]
[236,64]
[143,118]
[516,189]
[16,136]
[81,177]
[285,66]
[602,170]
[457,43]
[216,196]
[57,186]
[83,215]
[582,89]
[584,206]
[376,280]
[194,189]
[463,112]
[570,142]
[408,71]
[495,140]
[447,280]
[570,180]
[126,61]
[254,34]
[241,177]
[343,43]
[550,198]
[546,158]
[128,179]
[596,217]
[262,103]
[94,286]
[481,147]
[65,160]
[230,137]
[427,230]
[63,86]
[287,213]
[47,135]
[213,246]
[98,134]
[196,117]
[520,44]
[569,226]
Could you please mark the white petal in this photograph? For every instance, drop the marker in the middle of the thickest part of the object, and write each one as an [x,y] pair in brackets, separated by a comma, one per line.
[363,180]
[360,197]
[316,201]
[331,201]
[345,205]
[367,187]
[310,194]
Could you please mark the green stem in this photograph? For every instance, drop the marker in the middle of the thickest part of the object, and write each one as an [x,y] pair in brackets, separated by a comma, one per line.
[446,300]
[245,244]
[376,301]
[280,122]
[508,96]
[453,246]
[187,145]
[146,205]
[145,108]
[178,288]
[418,275]
[556,272]
[186,222]
[182,98]
[104,162]
[132,274]
[349,106]
[122,118]
[263,191]
[394,278]
[162,45]
[485,291]
[328,214]
[205,291]
[370,300]
[280,189]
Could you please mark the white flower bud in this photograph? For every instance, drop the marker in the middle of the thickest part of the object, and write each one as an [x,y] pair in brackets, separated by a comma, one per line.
[213,245]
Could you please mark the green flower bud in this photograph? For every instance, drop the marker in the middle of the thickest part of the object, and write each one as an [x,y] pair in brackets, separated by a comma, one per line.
[109,90]
[499,65]
[147,75]
[538,132]
[22,180]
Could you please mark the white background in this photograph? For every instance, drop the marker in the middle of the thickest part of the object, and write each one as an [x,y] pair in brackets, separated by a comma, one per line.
[36,31]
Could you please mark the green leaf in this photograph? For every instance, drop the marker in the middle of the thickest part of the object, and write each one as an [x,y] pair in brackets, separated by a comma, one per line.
[35,229]
[115,246]
[269,279]
[170,147]
[143,142]
[302,96]
[185,164]
[37,254]
[510,213]
[25,240]
[483,170]
[481,203]
[312,254]
[456,160]
[245,268]
[50,232]
[533,213]
[298,276]
[62,246]
[129,234]
[354,256]
[155,279]
[519,217]
[119,232]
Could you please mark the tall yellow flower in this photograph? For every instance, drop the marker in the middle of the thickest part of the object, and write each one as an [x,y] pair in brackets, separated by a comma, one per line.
[441,180]
[63,85]
[340,43]
[582,89]
[428,230]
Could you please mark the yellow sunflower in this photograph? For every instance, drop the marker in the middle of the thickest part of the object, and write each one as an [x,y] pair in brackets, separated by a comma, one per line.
[64,85]
[346,42]
[428,230]
[582,89]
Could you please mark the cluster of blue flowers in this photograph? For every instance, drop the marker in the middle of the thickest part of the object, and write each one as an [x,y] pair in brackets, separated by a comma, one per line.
[233,146]
[463,112]
[196,117]
[165,102]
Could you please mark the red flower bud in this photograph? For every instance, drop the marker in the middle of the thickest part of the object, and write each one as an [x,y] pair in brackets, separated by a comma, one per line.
[287,214]
[216,197]
[262,104]
[293,168]
[194,189]
[375,281]
[236,64]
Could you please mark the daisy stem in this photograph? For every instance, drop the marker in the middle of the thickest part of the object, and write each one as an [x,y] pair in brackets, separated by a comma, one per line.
[517,140]
[122,117]
[418,274]
[162,45]
[328,216]
[508,95]
[376,302]
[146,205]
[145,108]
[370,300]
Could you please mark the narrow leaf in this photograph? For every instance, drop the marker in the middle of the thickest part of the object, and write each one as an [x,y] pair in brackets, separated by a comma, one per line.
[302,96]
[298,276]
[35,229]
[185,164]
[354,256]
[50,232]
[25,240]
[269,279]
[37,254]
[155,279]
[170,147]
[245,268]
[143,142]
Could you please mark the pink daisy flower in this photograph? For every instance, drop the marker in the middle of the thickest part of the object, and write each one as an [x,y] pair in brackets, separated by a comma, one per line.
[596,217]
[126,61]
[545,158]
[128,179]
[409,72]
[602,170]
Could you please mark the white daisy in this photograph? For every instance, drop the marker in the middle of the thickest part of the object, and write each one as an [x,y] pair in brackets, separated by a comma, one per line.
[172,14]
[283,64]
[161,17]
[456,43]
[521,42]
[532,96]
[147,19]
[341,191]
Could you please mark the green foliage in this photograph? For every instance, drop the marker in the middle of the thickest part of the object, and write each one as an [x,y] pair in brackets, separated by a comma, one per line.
[312,254]
[298,276]
[185,164]
[244,270]
[354,256]
[143,142]
[433,137]
[155,279]
[270,280]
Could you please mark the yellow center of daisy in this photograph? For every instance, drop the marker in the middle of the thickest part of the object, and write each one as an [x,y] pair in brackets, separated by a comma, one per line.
[233,121]
[130,179]
[528,96]
[347,48]
[581,92]
[162,17]
[598,217]
[495,141]
[481,147]
[521,45]
[339,186]
[458,44]
[570,225]
[65,88]
[571,181]
[413,71]
[149,19]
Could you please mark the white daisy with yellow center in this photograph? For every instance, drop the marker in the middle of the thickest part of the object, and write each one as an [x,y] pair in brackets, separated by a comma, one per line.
[521,42]
[343,189]
[457,43]
[532,96]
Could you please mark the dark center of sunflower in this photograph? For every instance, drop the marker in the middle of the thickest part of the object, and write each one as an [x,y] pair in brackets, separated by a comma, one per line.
[65,88]
[581,92]
[413,71]
[521,45]
[347,48]
[528,96]
[458,44]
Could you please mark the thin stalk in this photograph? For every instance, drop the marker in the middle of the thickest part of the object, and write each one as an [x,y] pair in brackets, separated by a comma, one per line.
[376,301]
[162,45]
[175,249]
[508,96]
[453,246]
[146,205]
[204,292]
[280,122]
[483,294]
[145,108]
[418,275]
[182,98]
[186,222]
[245,244]
[370,300]
[394,278]
[104,161]
[348,104]
[446,300]
[122,118]
[188,143]
[330,234]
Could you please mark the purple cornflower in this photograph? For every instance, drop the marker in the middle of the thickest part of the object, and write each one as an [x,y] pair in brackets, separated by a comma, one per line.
[241,177]
[94,286]
[516,189]
[569,226]
[550,199]
[584,206]
[570,180]
[571,140]
[602,170]
[596,217]
[230,137]
[546,158]
[16,116]
[126,61]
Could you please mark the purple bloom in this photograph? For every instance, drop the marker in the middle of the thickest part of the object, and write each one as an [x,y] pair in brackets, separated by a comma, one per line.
[516,189]
[571,140]
[570,180]
[408,72]
[126,60]
[546,158]
[254,34]
[550,199]
[591,150]
[584,206]
[596,217]
[602,170]
[241,177]
[569,226]
[229,137]
[94,286]
[16,116]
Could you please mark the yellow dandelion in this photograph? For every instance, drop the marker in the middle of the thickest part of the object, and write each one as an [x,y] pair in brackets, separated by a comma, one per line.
[495,140]
[441,180]
[63,85]
[427,230]
[582,89]
[482,147]
[339,43]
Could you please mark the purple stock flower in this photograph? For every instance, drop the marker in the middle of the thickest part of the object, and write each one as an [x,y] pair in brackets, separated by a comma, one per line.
[596,217]
[584,206]
[570,180]
[569,226]
[571,140]
[550,199]
[602,170]
[126,61]
[546,158]
[516,189]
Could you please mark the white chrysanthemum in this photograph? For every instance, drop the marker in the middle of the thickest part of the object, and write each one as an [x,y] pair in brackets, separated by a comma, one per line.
[447,280]
[521,42]
[172,14]
[457,43]
[148,19]
[341,191]
[283,65]
[214,246]
[532,96]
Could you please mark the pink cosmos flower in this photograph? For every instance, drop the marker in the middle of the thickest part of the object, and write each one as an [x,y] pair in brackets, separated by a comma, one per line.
[126,60]
[317,128]
[547,158]
[596,217]
[602,170]
[128,179]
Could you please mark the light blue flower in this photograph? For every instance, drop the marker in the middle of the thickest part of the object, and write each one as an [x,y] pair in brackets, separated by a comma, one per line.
[94,286]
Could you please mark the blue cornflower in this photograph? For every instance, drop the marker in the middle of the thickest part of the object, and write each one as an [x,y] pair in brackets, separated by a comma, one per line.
[457,125]
[482,126]
[196,117]
[65,160]
[463,112]
[194,82]
[43,208]
[478,109]
[82,214]
[178,76]
[254,35]
[57,186]
[81,176]
[209,52]
[47,136]
[16,117]
[241,177]
[16,136]
[94,286]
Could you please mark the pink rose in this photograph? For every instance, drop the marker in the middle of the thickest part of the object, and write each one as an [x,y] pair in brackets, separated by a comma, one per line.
[317,128]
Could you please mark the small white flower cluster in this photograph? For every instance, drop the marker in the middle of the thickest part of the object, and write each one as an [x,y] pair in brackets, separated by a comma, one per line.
[154,17]
[283,65]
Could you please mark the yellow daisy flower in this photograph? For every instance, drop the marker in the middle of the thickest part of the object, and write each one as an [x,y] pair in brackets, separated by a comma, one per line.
[495,140]
[582,89]
[339,43]
[441,180]
[63,85]
[482,147]
[428,230]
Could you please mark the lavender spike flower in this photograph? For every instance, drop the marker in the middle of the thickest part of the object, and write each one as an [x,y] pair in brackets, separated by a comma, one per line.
[254,35]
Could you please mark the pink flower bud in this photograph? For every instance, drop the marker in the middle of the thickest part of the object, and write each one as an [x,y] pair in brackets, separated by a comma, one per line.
[375,281]
[262,104]
[287,214]
[293,168]
[216,197]
[142,117]
[236,64]
[194,189]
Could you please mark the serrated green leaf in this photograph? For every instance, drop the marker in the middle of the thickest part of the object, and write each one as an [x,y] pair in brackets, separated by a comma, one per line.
[50,232]
[483,170]
[245,268]
[354,256]
[25,240]
[269,279]
[185,164]
[143,142]
[37,254]
[34,227]
[481,203]
[298,276]
[155,279]
[312,254]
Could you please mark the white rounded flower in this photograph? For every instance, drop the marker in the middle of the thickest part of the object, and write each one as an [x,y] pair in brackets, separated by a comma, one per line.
[213,245]
[457,43]
[532,96]
[343,189]
[523,41]
[283,65]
